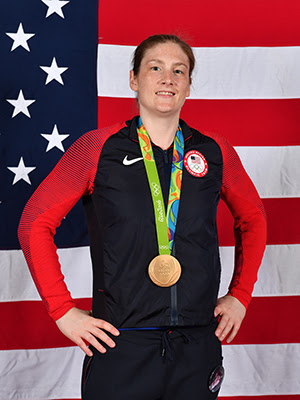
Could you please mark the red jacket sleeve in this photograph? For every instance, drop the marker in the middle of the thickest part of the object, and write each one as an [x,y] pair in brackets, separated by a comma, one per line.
[72,178]
[250,228]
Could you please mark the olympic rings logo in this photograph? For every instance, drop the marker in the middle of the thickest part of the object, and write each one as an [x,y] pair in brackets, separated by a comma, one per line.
[162,247]
[195,167]
[155,189]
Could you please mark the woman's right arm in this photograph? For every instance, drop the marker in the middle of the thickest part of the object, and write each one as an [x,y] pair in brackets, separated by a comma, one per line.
[72,178]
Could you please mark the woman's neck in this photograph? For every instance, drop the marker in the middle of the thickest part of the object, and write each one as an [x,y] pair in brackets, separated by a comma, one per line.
[161,130]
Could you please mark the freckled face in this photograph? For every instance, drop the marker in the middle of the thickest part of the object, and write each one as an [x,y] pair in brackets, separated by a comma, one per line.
[163,82]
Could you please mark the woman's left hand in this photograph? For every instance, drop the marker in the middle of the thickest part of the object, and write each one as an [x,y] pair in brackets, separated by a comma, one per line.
[232,313]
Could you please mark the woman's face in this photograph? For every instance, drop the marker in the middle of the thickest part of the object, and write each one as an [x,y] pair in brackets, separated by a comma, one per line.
[163,81]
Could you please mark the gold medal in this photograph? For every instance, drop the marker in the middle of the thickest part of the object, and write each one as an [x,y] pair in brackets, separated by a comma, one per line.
[164,270]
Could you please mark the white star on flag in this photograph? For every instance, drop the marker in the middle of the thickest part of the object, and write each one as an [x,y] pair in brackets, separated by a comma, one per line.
[55,139]
[21,172]
[20,38]
[21,105]
[54,72]
[55,6]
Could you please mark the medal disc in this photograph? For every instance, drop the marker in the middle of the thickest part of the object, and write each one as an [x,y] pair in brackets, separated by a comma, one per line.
[164,270]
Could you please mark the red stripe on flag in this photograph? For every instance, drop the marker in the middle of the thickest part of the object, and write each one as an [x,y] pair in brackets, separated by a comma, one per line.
[216,23]
[242,122]
[270,320]
[26,325]
[283,219]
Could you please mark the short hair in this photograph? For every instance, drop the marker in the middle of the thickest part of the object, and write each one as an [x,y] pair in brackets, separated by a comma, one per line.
[154,40]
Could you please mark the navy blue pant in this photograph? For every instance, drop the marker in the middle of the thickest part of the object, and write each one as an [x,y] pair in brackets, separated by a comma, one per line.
[155,365]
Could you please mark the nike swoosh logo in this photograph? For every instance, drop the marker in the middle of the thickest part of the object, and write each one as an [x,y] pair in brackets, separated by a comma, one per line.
[129,162]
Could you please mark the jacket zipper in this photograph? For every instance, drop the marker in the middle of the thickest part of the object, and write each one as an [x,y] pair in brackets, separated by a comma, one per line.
[173,289]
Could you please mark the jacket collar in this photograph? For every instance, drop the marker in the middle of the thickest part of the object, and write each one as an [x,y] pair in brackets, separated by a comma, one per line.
[132,132]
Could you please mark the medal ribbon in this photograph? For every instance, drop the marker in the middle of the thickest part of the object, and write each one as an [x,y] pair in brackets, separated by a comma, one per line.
[165,225]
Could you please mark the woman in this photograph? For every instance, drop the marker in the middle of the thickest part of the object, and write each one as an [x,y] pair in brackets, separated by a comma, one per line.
[150,189]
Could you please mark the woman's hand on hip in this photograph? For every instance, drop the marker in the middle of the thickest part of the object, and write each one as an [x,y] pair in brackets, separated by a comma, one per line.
[231,312]
[80,327]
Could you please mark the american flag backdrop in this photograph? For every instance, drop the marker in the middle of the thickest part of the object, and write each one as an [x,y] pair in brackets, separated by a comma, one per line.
[64,70]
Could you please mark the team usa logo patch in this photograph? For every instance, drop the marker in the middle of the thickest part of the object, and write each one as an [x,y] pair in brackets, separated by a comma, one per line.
[195,163]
